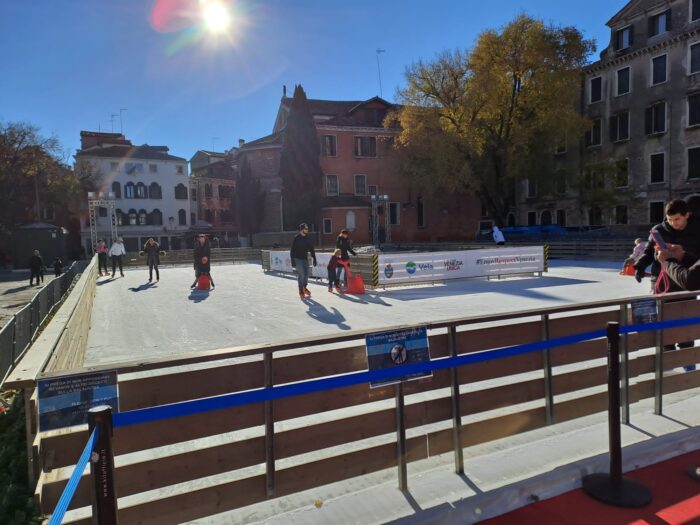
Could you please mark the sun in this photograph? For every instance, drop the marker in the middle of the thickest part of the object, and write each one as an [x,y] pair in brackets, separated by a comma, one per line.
[216,16]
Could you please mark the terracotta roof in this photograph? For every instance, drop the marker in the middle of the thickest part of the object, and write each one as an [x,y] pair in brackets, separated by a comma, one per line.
[268,140]
[144,152]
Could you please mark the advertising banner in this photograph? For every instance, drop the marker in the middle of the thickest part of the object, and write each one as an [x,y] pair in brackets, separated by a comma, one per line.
[280,262]
[438,266]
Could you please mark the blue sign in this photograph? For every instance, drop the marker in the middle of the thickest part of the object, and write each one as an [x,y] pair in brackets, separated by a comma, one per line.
[391,349]
[65,401]
[644,311]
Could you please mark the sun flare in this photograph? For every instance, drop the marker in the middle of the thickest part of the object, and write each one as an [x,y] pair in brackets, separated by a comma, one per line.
[216,17]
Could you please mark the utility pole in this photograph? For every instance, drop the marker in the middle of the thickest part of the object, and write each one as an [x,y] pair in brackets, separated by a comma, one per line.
[121,120]
[379,72]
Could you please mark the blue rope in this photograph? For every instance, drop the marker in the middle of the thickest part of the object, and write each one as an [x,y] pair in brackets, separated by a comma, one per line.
[72,485]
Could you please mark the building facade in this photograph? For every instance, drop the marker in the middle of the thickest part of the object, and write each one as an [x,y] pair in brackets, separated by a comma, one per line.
[149,187]
[643,100]
[359,163]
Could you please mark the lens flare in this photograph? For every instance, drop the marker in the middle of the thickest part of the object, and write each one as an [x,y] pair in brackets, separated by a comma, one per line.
[216,17]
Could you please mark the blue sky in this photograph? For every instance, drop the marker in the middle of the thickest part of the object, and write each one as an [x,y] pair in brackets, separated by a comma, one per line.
[69,65]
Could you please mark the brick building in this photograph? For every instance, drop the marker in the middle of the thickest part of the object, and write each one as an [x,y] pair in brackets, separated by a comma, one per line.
[358,161]
[212,187]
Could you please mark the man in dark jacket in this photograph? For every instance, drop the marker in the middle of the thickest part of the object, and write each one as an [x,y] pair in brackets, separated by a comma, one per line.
[301,247]
[345,244]
[679,228]
[36,267]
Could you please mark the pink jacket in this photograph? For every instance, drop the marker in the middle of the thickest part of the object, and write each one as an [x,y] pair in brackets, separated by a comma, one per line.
[101,248]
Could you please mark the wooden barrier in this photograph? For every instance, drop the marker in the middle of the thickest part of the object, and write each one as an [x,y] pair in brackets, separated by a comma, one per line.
[221,457]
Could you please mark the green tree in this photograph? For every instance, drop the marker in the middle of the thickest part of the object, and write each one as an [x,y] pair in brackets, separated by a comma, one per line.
[300,170]
[482,120]
[248,201]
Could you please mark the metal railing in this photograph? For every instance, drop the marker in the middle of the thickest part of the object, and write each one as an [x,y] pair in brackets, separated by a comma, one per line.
[22,328]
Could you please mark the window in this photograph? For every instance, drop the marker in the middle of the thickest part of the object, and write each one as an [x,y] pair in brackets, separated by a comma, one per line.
[193,218]
[620,126]
[694,10]
[329,146]
[360,185]
[560,176]
[113,166]
[157,217]
[181,192]
[623,81]
[331,185]
[208,216]
[622,173]
[623,38]
[656,212]
[153,168]
[350,221]
[593,180]
[182,217]
[420,211]
[207,191]
[133,168]
[193,194]
[621,214]
[141,192]
[365,146]
[132,217]
[180,169]
[120,217]
[155,191]
[561,217]
[395,213]
[656,167]
[694,57]
[593,135]
[595,216]
[655,118]
[561,147]
[142,217]
[596,92]
[658,70]
[129,190]
[117,190]
[660,23]
[327,226]
[694,109]
[694,162]
[532,218]
[371,189]
[531,188]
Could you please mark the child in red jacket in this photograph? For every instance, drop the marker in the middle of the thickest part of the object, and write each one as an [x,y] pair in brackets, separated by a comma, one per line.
[332,267]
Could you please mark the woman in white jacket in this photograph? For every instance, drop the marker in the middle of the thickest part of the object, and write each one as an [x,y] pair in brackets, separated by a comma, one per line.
[116,252]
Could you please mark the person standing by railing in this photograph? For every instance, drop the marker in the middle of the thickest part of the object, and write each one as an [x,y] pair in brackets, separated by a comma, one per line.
[36,268]
[152,251]
[116,252]
[101,250]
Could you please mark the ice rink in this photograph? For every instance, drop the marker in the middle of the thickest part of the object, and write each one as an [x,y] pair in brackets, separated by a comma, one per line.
[134,321]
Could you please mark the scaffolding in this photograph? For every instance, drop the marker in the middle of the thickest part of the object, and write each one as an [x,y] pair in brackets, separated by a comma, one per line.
[380,205]
[97,200]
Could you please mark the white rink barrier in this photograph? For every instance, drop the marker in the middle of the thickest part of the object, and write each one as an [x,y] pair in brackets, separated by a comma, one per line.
[425,267]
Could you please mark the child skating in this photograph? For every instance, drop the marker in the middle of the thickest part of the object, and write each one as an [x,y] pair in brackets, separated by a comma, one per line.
[333,265]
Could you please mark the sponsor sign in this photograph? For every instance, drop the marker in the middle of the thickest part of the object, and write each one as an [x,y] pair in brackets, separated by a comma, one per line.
[438,266]
[391,349]
[65,401]
[644,311]
[281,262]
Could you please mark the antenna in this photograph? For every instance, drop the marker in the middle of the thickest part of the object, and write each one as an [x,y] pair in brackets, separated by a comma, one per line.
[379,71]
[213,140]
[111,119]
[121,121]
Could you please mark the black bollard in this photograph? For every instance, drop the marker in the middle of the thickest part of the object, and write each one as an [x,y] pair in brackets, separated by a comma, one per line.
[614,489]
[104,502]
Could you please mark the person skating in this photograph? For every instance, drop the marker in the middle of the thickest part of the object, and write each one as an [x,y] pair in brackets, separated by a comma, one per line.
[498,236]
[345,244]
[152,251]
[101,250]
[202,259]
[36,268]
[302,245]
[116,252]
[333,265]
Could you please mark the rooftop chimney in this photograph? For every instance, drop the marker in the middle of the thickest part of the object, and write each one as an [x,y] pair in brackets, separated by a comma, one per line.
[241,142]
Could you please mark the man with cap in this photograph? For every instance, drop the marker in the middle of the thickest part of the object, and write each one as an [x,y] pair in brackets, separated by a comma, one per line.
[301,247]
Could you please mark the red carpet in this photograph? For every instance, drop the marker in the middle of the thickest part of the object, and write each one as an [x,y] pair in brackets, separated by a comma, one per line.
[675,501]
